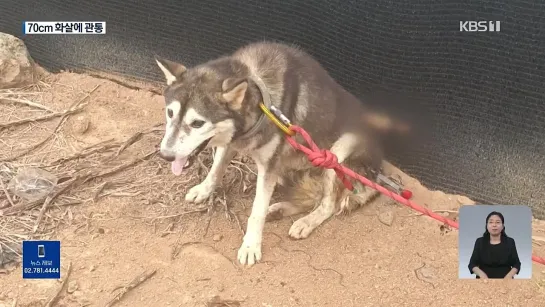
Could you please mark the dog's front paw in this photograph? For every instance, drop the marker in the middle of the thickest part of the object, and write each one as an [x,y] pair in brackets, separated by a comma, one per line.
[199,192]
[249,252]
[301,229]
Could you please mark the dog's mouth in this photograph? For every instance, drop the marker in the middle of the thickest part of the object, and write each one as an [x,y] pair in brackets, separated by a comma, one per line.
[179,165]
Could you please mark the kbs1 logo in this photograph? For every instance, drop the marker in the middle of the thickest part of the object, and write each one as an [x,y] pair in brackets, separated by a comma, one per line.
[479,26]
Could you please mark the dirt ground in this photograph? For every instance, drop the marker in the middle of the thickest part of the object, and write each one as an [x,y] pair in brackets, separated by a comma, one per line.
[121,224]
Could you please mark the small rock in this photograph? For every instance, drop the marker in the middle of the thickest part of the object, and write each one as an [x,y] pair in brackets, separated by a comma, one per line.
[80,124]
[72,287]
[217,237]
[17,67]
[92,268]
[426,273]
[101,230]
[386,218]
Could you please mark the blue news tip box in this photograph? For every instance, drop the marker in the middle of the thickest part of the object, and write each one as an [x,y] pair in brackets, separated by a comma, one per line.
[41,259]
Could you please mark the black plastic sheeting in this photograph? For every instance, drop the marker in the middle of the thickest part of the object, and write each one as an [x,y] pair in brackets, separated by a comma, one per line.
[484,89]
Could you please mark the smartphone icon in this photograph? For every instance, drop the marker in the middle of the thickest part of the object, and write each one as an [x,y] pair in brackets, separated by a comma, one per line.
[41,251]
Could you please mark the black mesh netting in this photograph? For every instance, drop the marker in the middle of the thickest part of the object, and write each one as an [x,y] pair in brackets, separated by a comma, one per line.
[484,90]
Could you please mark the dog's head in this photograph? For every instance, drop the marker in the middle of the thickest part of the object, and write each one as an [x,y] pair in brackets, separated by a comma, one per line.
[203,107]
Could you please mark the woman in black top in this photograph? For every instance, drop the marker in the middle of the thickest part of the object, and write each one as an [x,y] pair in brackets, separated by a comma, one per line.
[494,254]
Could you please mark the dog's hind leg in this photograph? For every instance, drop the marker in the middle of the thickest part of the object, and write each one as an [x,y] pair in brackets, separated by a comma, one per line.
[282,209]
[302,228]
[303,193]
[351,201]
[202,191]
[326,208]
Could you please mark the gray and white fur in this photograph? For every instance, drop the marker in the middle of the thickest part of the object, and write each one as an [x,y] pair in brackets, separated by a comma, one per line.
[216,103]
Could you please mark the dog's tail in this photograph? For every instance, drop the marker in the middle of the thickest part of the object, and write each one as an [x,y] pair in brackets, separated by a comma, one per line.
[403,123]
[385,124]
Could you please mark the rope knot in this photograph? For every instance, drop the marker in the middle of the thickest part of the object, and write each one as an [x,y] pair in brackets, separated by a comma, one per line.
[323,158]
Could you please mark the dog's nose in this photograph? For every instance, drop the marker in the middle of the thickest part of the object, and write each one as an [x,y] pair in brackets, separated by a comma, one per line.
[167,157]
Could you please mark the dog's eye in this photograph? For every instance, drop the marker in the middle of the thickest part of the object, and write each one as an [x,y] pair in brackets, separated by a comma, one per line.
[170,113]
[197,123]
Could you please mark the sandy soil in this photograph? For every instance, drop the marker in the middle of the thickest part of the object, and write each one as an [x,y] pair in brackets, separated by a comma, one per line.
[357,260]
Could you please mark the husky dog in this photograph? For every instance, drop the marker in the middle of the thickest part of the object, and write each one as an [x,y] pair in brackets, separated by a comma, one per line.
[216,104]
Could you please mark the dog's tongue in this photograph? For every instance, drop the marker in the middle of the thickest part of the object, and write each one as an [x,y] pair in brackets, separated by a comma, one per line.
[178,166]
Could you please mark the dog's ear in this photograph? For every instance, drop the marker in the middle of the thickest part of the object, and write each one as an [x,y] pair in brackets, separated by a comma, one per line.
[172,70]
[233,91]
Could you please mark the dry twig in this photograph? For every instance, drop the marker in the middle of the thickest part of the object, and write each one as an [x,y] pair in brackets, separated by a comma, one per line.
[230,214]
[87,151]
[50,199]
[75,107]
[216,301]
[36,119]
[204,209]
[137,136]
[133,284]
[6,192]
[25,102]
[83,178]
[55,299]
[20,208]
[120,167]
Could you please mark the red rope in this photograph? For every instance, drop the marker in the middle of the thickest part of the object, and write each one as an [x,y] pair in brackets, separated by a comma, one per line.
[326,159]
